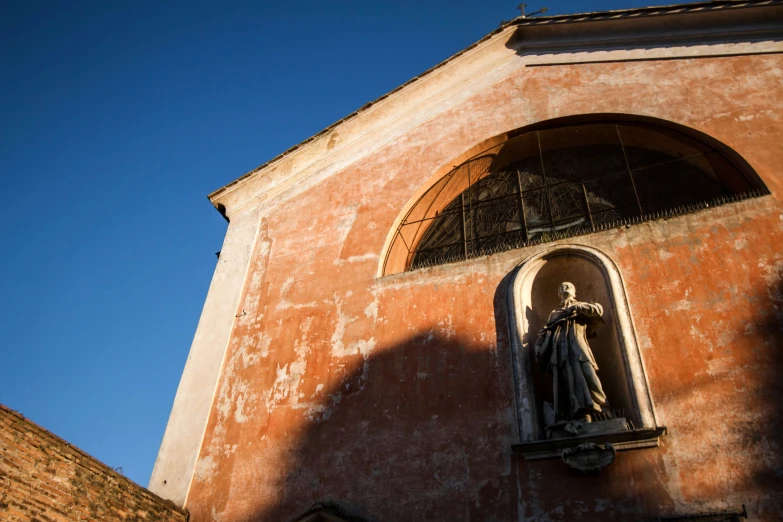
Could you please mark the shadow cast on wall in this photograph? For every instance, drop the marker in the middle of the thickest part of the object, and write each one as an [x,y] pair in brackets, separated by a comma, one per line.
[423,431]
[428,421]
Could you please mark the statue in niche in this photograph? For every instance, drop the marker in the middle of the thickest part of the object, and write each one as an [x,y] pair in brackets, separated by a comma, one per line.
[563,350]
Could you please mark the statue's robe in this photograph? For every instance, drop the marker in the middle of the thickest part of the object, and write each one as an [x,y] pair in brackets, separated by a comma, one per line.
[562,349]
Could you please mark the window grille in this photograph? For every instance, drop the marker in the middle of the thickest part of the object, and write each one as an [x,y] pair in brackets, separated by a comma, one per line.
[545,185]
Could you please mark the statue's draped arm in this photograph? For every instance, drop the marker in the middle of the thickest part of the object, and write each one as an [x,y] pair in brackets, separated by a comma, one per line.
[545,342]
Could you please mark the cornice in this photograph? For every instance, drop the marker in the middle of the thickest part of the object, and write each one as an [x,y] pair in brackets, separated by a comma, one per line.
[644,12]
[695,24]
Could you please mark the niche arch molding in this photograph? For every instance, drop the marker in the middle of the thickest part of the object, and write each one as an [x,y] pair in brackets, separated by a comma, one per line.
[530,425]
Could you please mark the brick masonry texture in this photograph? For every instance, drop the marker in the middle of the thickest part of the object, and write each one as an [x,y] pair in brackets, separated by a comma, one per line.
[45,479]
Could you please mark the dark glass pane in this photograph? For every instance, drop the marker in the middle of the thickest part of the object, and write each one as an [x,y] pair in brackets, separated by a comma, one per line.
[537,211]
[727,174]
[567,200]
[582,153]
[613,193]
[597,202]
[527,179]
[493,217]
[443,230]
[520,149]
[528,167]
[495,185]
[674,184]
[642,158]
[646,145]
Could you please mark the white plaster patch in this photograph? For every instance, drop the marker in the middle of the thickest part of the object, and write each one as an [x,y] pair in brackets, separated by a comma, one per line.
[447,329]
[339,349]
[356,259]
[314,411]
[285,305]
[289,377]
[263,344]
[217,517]
[372,310]
[345,222]
[229,449]
[773,276]
[645,342]
[205,468]
[252,348]
[682,304]
[284,383]
[235,393]
[723,367]
[702,338]
[286,286]
[322,412]
[364,347]
[725,337]
[343,320]
[239,413]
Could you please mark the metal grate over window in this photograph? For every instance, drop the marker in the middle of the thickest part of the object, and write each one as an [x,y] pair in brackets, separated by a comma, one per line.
[545,185]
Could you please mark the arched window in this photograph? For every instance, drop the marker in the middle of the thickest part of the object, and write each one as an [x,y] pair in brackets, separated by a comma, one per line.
[559,180]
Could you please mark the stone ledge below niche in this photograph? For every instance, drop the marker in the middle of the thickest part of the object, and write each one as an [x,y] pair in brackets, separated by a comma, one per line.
[621,440]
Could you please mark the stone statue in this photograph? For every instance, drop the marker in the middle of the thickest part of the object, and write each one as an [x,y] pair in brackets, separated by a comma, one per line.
[562,349]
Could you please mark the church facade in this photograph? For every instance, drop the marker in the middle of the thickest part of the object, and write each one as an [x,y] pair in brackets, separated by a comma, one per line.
[388,336]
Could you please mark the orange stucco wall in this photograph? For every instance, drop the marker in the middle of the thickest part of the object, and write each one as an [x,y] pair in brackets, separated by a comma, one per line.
[393,395]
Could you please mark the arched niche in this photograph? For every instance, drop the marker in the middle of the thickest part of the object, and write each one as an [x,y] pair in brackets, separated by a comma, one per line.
[533,295]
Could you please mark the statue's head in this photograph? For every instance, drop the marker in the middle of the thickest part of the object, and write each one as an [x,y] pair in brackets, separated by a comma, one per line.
[567,291]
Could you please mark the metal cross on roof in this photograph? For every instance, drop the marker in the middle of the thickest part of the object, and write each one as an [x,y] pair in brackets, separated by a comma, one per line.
[521,8]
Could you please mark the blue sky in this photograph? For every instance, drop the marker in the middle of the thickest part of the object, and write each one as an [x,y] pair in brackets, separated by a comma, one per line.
[118,118]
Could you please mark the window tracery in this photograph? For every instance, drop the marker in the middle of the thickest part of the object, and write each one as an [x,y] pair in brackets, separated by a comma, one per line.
[550,183]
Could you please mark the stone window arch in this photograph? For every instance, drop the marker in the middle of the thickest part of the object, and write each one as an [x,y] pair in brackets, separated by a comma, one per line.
[564,178]
[531,296]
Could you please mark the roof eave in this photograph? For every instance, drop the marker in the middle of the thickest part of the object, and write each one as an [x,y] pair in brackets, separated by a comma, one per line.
[579,18]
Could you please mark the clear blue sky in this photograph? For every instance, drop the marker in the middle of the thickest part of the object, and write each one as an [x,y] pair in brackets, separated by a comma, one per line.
[117,119]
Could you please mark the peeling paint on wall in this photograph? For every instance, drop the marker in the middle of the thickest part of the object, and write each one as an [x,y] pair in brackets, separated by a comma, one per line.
[395,393]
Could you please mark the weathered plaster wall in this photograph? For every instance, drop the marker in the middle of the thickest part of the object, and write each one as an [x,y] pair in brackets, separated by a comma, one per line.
[172,474]
[394,395]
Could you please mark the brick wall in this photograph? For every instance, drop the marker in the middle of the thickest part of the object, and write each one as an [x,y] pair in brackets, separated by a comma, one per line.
[43,479]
